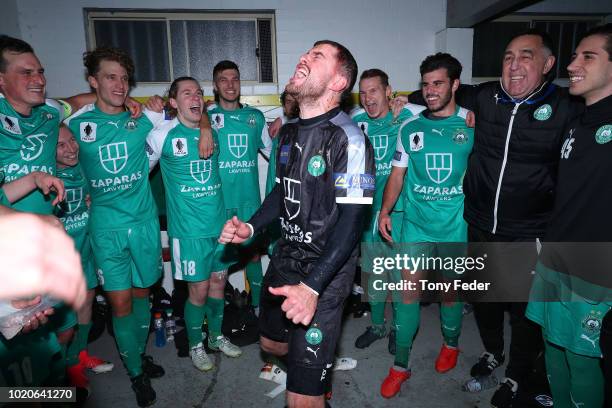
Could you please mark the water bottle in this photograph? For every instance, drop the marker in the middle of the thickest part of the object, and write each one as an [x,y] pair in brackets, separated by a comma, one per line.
[160,331]
[480,383]
[170,326]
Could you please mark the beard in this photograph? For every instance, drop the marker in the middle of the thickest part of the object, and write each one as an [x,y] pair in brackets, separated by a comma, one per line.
[444,101]
[309,90]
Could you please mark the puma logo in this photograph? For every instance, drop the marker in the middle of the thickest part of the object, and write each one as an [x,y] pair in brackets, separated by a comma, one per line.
[585,337]
[313,351]
[115,124]
[299,147]
[437,131]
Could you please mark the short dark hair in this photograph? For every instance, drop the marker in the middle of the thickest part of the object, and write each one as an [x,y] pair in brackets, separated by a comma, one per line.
[375,73]
[605,31]
[13,45]
[173,93]
[348,65]
[442,60]
[222,66]
[92,60]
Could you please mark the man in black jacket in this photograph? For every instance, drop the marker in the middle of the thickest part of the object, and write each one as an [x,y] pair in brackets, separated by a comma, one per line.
[509,191]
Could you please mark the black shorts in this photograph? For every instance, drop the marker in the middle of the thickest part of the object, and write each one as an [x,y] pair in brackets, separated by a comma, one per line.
[311,348]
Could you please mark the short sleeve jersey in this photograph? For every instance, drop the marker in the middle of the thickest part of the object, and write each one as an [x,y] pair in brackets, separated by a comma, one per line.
[73,211]
[114,160]
[322,162]
[194,199]
[242,132]
[383,136]
[27,144]
[435,153]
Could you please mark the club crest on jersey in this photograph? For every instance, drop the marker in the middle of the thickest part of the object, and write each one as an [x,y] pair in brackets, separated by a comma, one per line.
[460,137]
[314,336]
[179,146]
[292,197]
[200,170]
[131,124]
[218,120]
[11,124]
[316,165]
[252,121]
[87,130]
[380,143]
[417,141]
[603,134]
[439,166]
[543,112]
[238,144]
[113,156]
[592,322]
[363,126]
[32,146]
[74,196]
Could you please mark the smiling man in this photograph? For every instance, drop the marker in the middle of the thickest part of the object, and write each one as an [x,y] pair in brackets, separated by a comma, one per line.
[324,186]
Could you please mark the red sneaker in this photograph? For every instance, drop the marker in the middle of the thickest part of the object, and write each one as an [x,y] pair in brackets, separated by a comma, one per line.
[95,364]
[392,383]
[447,359]
[76,376]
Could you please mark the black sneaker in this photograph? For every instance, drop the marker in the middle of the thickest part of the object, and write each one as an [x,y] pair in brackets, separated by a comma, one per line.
[392,345]
[145,394]
[505,394]
[151,369]
[485,366]
[369,337]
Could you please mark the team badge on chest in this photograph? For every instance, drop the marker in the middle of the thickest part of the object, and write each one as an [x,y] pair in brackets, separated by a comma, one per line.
[416,141]
[603,134]
[10,123]
[218,121]
[87,130]
[179,146]
[543,112]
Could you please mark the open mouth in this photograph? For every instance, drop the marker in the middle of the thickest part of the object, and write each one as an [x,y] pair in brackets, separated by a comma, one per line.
[195,109]
[516,78]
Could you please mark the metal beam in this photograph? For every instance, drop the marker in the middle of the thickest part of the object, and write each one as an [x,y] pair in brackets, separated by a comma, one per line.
[468,13]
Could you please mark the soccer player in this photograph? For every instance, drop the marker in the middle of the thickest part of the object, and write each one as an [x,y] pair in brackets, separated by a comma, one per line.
[123,223]
[325,184]
[74,214]
[380,126]
[242,131]
[571,325]
[428,169]
[195,208]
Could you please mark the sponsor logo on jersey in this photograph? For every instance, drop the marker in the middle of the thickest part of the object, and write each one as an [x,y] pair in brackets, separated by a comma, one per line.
[74,197]
[292,197]
[416,141]
[10,123]
[314,336]
[316,165]
[32,146]
[87,130]
[603,134]
[380,144]
[543,112]
[200,170]
[544,400]
[359,181]
[179,146]
[113,156]
[238,144]
[439,166]
[460,137]
[364,127]
[252,122]
[283,156]
[218,120]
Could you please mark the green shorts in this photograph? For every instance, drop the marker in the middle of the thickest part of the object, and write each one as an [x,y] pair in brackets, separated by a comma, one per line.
[193,260]
[63,318]
[128,258]
[26,359]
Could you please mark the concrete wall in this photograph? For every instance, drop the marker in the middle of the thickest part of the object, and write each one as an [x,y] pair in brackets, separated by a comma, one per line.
[394,35]
[9,19]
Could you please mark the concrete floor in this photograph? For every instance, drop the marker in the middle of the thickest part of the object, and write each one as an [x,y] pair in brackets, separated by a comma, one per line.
[235,382]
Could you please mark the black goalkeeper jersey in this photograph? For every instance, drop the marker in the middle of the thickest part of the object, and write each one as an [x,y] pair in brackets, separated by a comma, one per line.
[322,162]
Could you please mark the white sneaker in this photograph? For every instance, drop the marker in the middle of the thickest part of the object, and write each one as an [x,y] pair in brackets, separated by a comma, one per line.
[272,372]
[200,359]
[223,344]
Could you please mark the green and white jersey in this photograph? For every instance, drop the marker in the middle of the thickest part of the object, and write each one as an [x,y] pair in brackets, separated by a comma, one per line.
[28,144]
[73,211]
[194,198]
[114,160]
[242,132]
[383,136]
[435,153]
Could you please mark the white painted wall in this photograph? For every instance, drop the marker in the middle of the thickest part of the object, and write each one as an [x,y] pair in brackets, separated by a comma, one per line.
[458,42]
[394,35]
[9,23]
